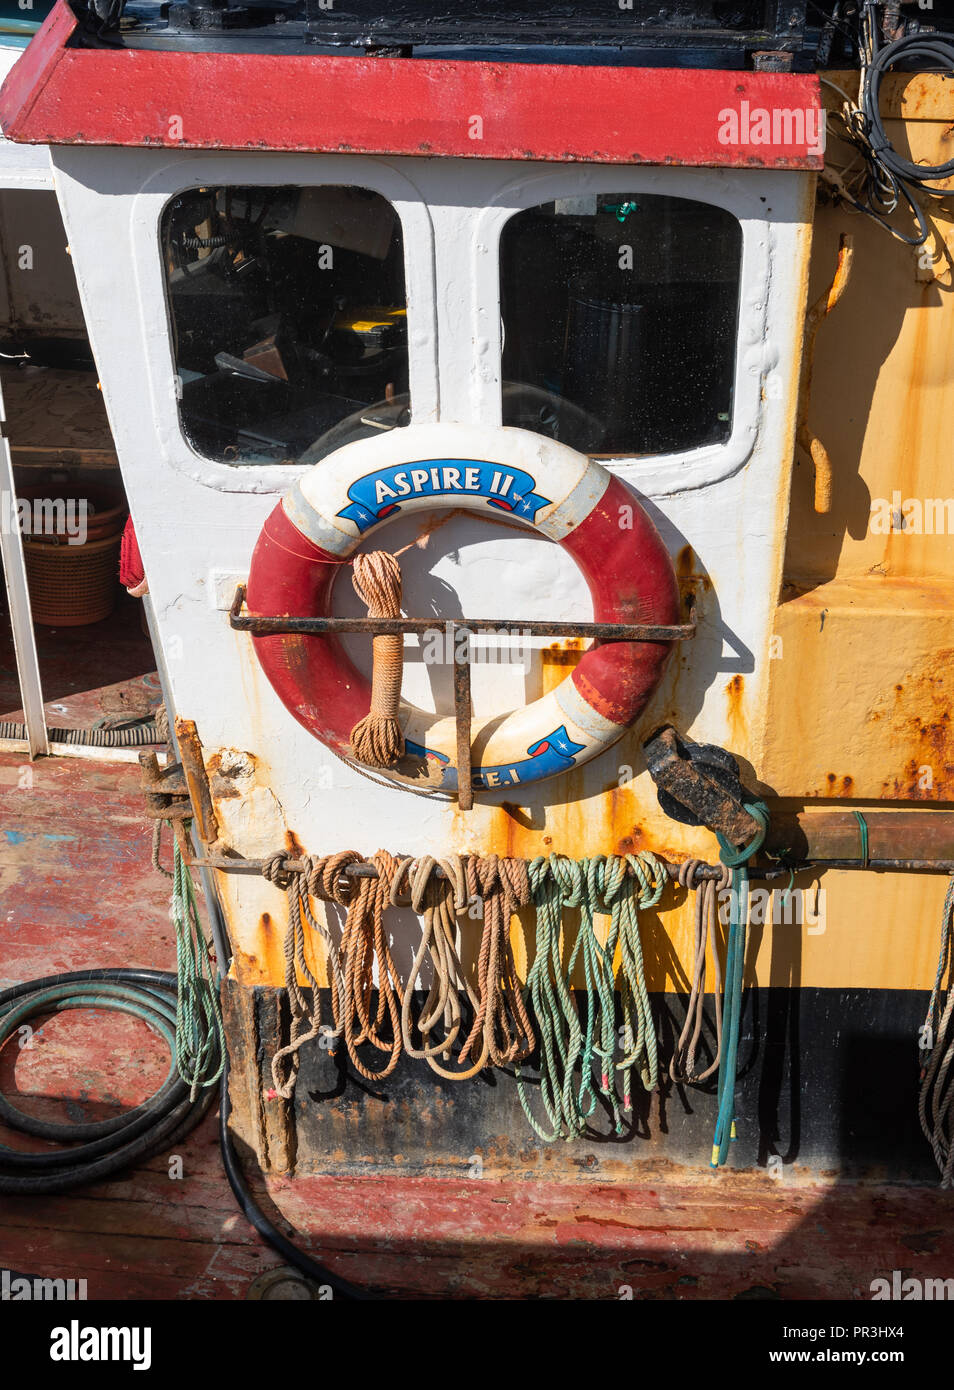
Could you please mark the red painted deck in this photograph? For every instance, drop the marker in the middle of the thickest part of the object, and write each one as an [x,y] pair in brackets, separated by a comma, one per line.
[77,889]
[79,664]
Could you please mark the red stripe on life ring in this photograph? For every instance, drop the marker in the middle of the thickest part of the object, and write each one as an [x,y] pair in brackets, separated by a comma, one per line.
[631,579]
[313,676]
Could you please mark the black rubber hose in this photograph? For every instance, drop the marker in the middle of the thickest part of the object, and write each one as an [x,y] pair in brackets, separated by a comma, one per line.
[305,1265]
[105,1145]
[139,736]
[932,53]
[139,1133]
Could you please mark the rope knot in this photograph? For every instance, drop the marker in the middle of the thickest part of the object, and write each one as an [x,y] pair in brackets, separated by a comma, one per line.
[568,876]
[275,871]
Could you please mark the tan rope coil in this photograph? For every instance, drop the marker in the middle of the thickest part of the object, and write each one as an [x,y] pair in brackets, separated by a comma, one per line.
[365,945]
[438,902]
[322,878]
[377,740]
[705,926]
[501,1019]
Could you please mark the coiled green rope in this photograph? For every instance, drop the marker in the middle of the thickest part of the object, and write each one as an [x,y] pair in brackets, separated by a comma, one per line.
[561,1037]
[624,894]
[618,886]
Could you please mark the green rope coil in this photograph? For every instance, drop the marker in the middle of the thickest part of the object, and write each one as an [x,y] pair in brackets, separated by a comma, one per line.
[200,1035]
[624,894]
[619,886]
[561,1037]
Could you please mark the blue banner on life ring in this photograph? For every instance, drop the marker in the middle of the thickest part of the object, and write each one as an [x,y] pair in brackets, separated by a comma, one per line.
[555,753]
[379,494]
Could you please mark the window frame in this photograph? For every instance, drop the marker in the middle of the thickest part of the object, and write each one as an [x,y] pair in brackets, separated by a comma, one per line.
[747,198]
[217,169]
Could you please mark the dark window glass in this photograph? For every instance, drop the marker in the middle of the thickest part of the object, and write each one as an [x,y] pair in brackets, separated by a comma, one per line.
[619,322]
[289,319]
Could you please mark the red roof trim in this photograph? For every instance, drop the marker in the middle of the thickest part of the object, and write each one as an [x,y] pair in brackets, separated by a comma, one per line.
[267,101]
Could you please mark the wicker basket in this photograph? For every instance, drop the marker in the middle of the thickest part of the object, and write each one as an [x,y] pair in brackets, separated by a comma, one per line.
[71,585]
[105,513]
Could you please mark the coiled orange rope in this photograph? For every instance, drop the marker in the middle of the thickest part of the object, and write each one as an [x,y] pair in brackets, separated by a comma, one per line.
[364,946]
[502,1021]
[377,740]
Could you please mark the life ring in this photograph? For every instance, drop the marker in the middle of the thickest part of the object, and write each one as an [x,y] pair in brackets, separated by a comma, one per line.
[567,497]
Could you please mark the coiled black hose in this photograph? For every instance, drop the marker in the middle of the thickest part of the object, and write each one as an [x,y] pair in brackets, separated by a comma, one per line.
[109,1145]
[135,736]
[932,53]
[104,1146]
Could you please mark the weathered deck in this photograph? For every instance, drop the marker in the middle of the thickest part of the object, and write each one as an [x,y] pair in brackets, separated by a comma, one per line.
[77,889]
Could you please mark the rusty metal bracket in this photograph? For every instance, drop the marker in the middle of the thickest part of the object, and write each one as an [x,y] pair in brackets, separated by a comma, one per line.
[260,625]
[166,796]
[197,783]
[699,784]
[180,791]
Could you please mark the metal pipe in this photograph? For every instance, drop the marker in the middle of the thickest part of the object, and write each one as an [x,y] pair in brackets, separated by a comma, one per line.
[465,790]
[805,841]
[272,626]
[714,871]
[896,839]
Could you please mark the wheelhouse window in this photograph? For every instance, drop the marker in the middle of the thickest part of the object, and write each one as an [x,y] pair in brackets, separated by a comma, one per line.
[619,321]
[289,319]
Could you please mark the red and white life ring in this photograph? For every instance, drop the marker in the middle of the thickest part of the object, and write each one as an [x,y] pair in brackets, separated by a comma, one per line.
[564,495]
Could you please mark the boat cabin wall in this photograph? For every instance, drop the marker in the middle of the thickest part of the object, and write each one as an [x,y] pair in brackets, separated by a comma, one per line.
[721,507]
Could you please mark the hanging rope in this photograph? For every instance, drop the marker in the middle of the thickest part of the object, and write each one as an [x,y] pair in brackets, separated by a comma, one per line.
[322,878]
[619,886]
[578,1054]
[683,1068]
[936,1097]
[367,954]
[438,902]
[501,1024]
[737,860]
[580,880]
[555,1010]
[200,1036]
[624,894]
[377,739]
